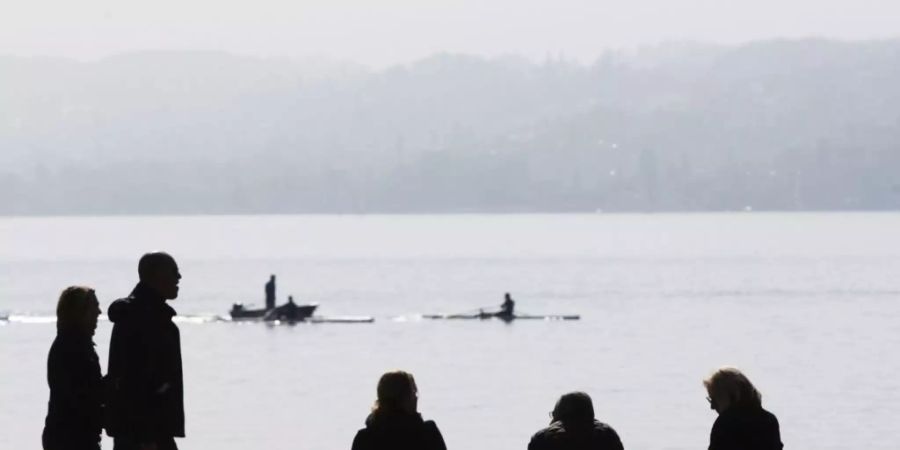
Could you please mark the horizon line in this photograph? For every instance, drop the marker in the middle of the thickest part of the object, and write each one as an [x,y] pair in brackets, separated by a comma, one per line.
[558,56]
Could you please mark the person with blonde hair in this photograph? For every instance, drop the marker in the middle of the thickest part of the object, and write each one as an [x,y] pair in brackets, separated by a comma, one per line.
[742,424]
[395,423]
[75,410]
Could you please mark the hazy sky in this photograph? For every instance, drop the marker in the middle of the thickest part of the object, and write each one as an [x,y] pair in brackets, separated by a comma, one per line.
[380,32]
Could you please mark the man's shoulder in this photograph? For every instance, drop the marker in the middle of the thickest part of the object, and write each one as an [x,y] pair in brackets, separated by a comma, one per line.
[768,416]
[555,429]
[556,434]
[604,428]
[121,310]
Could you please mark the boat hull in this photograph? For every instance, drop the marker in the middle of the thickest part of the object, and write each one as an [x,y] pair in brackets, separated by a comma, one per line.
[285,313]
[238,312]
[291,313]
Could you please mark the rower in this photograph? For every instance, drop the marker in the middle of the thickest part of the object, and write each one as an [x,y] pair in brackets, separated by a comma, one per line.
[270,293]
[506,309]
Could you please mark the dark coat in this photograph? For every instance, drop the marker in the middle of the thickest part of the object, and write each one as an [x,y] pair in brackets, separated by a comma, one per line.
[751,428]
[398,431]
[146,390]
[559,436]
[75,410]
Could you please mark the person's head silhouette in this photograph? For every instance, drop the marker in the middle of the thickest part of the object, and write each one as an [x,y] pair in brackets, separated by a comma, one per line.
[397,392]
[728,387]
[77,310]
[159,271]
[574,408]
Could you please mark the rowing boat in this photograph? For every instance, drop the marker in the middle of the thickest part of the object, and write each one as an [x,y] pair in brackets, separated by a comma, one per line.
[341,319]
[501,316]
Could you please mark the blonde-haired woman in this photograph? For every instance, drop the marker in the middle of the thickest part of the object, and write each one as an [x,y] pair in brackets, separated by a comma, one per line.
[395,423]
[742,424]
[74,412]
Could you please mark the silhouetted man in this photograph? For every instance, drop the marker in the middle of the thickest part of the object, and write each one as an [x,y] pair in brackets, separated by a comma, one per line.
[573,426]
[146,403]
[270,293]
[508,306]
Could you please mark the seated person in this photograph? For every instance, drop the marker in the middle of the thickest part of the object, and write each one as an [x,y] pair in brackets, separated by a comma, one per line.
[742,421]
[573,427]
[508,306]
[395,423]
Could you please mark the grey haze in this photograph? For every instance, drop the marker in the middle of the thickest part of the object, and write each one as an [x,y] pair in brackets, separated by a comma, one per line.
[773,125]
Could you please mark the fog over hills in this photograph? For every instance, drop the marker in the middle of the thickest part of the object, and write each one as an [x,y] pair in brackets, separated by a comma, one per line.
[775,125]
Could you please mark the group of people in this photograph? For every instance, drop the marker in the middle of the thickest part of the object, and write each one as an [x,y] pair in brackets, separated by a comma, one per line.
[140,402]
[743,424]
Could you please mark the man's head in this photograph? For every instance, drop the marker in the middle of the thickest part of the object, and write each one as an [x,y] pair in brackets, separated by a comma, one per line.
[574,408]
[159,271]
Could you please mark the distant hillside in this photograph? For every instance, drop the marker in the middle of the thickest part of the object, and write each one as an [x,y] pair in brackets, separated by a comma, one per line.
[782,125]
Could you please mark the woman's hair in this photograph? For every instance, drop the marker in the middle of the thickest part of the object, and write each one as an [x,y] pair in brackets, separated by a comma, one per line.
[574,408]
[394,388]
[731,384]
[74,303]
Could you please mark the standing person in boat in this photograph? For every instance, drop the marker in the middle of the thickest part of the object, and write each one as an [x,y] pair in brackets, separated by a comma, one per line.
[573,427]
[508,306]
[742,423]
[75,409]
[146,399]
[395,423]
[270,293]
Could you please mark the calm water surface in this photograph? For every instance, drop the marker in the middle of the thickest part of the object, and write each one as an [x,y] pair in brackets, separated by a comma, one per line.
[807,304]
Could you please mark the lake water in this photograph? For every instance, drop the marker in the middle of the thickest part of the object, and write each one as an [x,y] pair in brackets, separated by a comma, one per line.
[806,304]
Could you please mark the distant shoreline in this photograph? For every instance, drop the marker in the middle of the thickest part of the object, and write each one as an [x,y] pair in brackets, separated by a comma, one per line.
[442,213]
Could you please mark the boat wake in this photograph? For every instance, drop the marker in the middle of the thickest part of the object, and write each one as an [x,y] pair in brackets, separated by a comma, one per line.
[40,319]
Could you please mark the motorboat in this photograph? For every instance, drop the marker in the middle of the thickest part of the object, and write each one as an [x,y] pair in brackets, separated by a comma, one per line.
[241,312]
[291,312]
[288,312]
